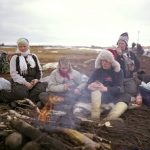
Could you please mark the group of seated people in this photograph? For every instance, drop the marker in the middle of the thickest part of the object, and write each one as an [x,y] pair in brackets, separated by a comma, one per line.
[111,84]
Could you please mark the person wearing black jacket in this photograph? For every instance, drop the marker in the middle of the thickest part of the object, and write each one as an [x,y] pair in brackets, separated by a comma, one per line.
[106,85]
[129,64]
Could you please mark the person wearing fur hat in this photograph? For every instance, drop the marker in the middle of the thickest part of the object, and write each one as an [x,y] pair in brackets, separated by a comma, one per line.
[26,72]
[106,86]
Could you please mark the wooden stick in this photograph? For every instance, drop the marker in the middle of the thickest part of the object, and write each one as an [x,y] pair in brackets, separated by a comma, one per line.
[29,102]
[29,131]
[33,105]
[4,114]
[80,138]
[16,114]
[3,126]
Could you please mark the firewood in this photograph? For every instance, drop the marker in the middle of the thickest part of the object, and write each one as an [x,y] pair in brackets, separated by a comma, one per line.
[84,139]
[16,114]
[80,138]
[22,102]
[31,146]
[4,114]
[2,126]
[31,132]
[14,141]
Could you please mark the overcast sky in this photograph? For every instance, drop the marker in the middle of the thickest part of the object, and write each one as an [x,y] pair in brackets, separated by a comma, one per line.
[74,22]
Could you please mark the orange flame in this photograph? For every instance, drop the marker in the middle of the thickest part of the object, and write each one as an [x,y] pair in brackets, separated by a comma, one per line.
[46,112]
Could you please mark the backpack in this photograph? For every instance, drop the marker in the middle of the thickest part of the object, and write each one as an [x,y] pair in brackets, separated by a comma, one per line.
[4,62]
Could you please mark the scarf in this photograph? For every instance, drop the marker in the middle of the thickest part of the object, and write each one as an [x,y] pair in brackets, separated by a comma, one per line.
[23,62]
[64,74]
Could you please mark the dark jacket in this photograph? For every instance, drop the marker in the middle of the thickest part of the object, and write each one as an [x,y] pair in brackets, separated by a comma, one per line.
[127,59]
[33,73]
[111,79]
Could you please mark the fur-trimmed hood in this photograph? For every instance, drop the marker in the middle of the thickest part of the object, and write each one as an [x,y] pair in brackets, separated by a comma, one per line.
[107,55]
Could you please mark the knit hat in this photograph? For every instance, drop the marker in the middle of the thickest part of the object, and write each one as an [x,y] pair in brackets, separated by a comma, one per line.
[23,40]
[124,37]
[107,55]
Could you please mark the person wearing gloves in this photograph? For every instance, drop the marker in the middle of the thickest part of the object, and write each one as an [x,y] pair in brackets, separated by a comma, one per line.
[68,83]
[26,72]
[105,85]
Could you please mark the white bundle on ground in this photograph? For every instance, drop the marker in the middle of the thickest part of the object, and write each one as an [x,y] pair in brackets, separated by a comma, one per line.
[4,84]
[146,86]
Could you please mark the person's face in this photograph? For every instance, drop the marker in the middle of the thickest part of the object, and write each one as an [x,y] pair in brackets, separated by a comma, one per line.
[64,68]
[106,64]
[22,47]
[121,45]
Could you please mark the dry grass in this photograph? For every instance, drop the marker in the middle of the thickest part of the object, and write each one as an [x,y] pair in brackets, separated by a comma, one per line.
[52,55]
[77,57]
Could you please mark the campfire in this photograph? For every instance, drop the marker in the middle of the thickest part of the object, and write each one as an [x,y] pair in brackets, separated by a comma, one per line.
[46,112]
[132,133]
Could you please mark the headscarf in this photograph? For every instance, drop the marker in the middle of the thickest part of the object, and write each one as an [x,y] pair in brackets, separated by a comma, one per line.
[29,59]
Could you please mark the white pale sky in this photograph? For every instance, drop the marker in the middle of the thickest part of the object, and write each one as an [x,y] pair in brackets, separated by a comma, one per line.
[74,22]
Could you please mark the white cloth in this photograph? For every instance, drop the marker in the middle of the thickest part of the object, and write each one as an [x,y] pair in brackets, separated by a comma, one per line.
[14,73]
[4,84]
[146,86]
[23,63]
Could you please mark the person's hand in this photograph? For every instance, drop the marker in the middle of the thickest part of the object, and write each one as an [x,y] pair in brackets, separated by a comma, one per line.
[66,87]
[102,88]
[119,51]
[138,100]
[28,85]
[34,82]
[77,91]
[94,86]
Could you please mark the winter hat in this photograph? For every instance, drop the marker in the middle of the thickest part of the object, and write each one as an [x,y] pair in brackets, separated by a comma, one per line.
[124,37]
[23,40]
[107,55]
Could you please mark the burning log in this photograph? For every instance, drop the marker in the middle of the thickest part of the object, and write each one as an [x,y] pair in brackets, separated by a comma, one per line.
[46,112]
[44,140]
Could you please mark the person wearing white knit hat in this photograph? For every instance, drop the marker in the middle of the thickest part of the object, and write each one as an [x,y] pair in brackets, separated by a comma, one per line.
[124,37]
[129,64]
[106,86]
[26,72]
[127,59]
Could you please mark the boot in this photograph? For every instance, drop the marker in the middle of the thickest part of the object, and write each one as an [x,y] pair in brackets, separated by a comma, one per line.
[95,104]
[117,111]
